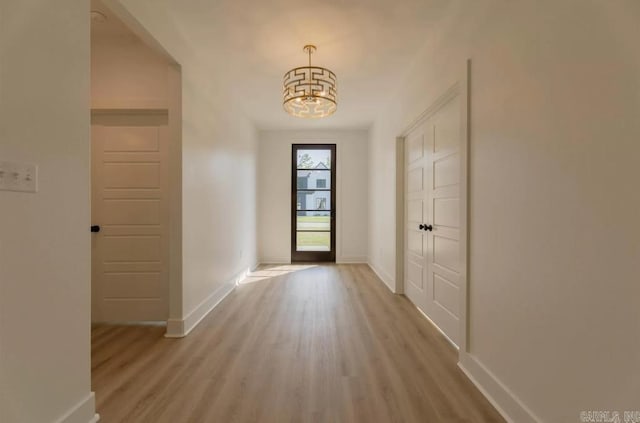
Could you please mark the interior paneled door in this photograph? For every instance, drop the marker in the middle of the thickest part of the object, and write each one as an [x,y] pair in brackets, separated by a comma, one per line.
[313,202]
[129,207]
[432,234]
[417,180]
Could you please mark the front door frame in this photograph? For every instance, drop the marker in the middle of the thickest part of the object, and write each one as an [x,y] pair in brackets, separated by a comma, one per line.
[312,256]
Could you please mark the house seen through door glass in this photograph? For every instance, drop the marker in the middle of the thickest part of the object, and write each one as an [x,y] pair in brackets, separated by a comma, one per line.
[313,202]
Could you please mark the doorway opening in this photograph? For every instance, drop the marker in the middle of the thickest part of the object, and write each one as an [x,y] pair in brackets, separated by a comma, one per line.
[136,172]
[313,203]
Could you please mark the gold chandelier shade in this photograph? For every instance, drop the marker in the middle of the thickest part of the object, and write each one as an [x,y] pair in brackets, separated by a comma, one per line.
[310,91]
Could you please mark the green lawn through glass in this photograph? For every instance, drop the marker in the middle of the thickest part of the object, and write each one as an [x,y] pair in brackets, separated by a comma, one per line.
[314,223]
[313,241]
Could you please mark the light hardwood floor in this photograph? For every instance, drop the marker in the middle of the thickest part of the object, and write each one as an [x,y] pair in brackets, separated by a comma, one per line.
[326,343]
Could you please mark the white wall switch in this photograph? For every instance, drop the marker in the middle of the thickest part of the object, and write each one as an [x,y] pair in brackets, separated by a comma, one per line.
[22,177]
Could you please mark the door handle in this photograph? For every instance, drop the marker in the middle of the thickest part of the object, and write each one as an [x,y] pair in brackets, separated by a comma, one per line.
[95,228]
[421,226]
[428,227]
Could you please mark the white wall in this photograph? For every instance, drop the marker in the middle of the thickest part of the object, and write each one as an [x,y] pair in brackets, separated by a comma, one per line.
[126,73]
[44,237]
[555,234]
[219,171]
[274,192]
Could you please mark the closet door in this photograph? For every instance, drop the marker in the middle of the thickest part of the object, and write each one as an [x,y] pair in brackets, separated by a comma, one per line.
[417,181]
[443,238]
[433,259]
[130,244]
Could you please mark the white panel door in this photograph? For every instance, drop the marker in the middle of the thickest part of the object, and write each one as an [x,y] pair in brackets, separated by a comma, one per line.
[129,203]
[432,217]
[443,241]
[417,179]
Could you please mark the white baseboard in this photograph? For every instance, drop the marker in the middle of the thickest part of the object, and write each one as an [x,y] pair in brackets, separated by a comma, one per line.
[384,277]
[83,412]
[179,328]
[275,260]
[508,405]
[351,259]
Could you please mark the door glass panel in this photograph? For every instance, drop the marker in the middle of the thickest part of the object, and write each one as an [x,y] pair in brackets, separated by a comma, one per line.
[310,179]
[313,200]
[313,241]
[314,159]
[313,221]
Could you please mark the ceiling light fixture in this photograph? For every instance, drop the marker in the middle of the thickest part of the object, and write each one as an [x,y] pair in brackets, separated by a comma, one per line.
[310,91]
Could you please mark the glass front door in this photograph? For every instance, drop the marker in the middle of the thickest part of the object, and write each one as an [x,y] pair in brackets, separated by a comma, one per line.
[313,202]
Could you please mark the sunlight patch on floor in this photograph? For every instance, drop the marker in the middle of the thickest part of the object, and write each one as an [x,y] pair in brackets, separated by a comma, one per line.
[271,272]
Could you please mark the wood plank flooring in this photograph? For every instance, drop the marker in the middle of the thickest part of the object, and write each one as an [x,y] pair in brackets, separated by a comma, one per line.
[298,343]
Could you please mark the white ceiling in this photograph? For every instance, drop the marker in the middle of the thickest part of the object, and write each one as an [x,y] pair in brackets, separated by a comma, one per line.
[367,43]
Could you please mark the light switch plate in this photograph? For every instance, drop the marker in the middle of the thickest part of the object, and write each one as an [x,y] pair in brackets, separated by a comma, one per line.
[21,177]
